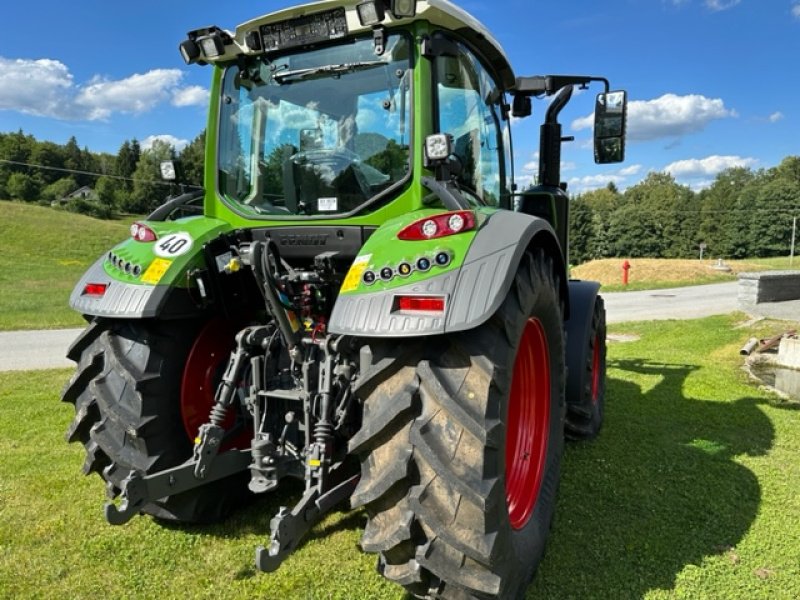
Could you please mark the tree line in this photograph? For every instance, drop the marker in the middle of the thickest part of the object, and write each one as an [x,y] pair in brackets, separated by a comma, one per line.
[128,182]
[744,213]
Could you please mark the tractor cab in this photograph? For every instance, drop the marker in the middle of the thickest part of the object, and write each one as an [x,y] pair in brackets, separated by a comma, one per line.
[325,111]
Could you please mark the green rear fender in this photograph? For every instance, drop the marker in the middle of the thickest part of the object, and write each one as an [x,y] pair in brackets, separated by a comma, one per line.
[143,279]
[472,283]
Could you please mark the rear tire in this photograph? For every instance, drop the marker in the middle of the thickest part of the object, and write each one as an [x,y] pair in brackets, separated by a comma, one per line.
[585,411]
[126,393]
[444,477]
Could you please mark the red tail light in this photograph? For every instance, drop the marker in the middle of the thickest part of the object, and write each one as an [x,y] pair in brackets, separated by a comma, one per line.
[95,289]
[438,226]
[142,233]
[427,304]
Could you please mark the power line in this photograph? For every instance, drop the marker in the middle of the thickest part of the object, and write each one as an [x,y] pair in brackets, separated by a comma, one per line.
[78,172]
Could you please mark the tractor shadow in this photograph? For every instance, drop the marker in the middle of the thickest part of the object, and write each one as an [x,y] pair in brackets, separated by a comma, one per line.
[658,490]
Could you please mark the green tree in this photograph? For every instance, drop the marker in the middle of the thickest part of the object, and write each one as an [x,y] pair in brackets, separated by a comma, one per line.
[659,207]
[51,156]
[73,160]
[602,202]
[107,190]
[59,189]
[722,221]
[635,232]
[125,163]
[149,191]
[192,161]
[581,230]
[770,226]
[21,186]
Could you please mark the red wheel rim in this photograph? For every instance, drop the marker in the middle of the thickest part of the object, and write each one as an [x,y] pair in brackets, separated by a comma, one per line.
[204,367]
[528,424]
[596,370]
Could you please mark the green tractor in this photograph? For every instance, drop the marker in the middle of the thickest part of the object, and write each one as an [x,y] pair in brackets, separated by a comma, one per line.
[360,299]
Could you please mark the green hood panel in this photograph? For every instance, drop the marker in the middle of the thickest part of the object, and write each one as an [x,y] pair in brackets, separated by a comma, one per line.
[163,262]
[387,262]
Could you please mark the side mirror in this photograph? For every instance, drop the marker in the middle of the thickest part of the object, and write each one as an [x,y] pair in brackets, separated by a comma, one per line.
[610,115]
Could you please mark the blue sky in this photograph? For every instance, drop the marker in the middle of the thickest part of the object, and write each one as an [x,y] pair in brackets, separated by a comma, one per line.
[712,83]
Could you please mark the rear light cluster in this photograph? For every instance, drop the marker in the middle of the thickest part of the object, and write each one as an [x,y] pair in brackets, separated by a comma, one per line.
[438,226]
[126,266]
[142,233]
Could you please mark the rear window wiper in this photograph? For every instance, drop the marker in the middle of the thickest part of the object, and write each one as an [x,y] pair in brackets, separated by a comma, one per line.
[312,72]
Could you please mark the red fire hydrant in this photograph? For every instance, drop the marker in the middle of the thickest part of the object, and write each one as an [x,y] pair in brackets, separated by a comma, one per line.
[626,266]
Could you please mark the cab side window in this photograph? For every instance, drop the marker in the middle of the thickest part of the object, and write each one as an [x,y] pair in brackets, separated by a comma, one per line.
[468,108]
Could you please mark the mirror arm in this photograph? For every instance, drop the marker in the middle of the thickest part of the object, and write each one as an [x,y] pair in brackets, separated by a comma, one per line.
[550,140]
[550,84]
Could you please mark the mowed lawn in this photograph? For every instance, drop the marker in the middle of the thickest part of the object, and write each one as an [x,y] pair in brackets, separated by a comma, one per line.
[691,491]
[43,253]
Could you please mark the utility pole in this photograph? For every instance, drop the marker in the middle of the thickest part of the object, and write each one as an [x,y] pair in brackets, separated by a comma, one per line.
[794,230]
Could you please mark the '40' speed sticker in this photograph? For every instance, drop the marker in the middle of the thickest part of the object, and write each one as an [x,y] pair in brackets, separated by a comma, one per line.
[172,245]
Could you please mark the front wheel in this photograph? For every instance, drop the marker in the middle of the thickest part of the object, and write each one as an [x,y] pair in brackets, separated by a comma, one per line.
[587,401]
[140,391]
[461,448]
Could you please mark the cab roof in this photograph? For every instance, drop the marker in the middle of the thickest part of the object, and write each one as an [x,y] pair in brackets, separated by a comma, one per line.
[440,13]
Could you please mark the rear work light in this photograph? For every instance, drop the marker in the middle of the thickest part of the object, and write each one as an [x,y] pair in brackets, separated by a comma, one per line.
[420,304]
[142,233]
[95,289]
[438,226]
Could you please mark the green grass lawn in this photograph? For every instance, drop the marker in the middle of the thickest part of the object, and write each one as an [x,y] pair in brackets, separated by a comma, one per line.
[691,491]
[44,253]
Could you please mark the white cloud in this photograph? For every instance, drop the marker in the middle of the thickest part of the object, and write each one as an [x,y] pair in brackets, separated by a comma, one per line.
[631,170]
[35,87]
[46,88]
[194,95]
[135,94]
[717,5]
[593,182]
[668,116]
[796,11]
[587,183]
[524,181]
[775,117]
[533,166]
[707,167]
[177,143]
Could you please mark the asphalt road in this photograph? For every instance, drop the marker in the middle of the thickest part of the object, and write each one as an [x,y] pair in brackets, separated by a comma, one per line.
[24,350]
[674,303]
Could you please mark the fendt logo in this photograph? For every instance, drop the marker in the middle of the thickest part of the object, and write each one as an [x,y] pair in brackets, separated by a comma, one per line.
[318,239]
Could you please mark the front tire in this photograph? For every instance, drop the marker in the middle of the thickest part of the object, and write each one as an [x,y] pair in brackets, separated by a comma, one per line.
[461,450]
[126,392]
[586,404]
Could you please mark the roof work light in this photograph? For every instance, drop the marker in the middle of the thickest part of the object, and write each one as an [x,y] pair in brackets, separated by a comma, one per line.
[404,9]
[371,12]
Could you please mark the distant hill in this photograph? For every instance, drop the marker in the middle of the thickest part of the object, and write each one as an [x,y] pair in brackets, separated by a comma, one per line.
[44,251]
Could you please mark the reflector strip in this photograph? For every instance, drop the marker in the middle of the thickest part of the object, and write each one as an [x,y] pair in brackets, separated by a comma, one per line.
[420,303]
[95,289]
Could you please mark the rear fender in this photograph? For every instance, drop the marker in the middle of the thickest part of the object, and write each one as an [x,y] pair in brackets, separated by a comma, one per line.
[148,279]
[474,285]
[582,297]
